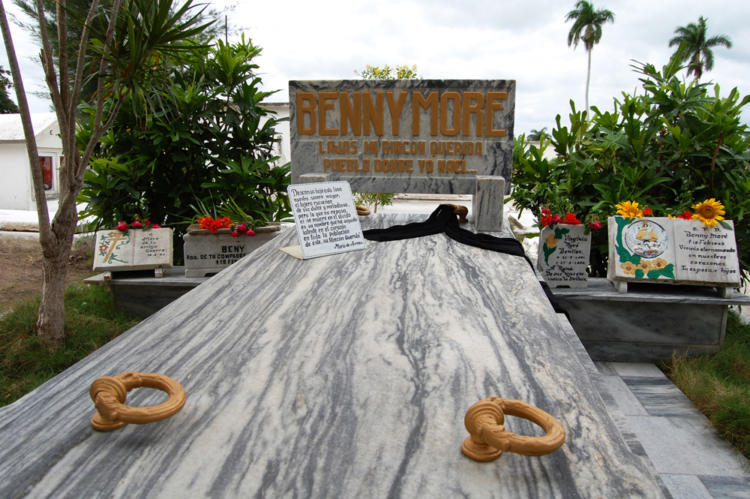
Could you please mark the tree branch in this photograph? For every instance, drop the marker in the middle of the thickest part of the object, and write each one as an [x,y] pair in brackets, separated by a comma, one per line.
[81,61]
[28,131]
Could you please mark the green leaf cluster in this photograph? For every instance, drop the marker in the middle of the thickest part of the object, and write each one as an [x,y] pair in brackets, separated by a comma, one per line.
[669,145]
[200,137]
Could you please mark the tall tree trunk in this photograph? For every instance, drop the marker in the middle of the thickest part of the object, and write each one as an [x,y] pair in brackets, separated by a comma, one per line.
[588,80]
[52,238]
[51,319]
[50,325]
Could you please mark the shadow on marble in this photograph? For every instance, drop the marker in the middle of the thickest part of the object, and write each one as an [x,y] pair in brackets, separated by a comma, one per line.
[685,486]
[660,397]
[639,369]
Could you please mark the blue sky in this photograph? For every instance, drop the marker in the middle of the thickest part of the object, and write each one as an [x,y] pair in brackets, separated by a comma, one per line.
[521,40]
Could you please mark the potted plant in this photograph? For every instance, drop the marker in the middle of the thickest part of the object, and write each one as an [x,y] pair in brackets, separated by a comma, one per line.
[224,233]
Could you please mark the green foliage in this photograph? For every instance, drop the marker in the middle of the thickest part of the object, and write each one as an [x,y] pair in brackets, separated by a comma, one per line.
[694,46]
[587,24]
[374,199]
[719,384]
[669,147]
[205,141]
[91,320]
[402,72]
[7,106]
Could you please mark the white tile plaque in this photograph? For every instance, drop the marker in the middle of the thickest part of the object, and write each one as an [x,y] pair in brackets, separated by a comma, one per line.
[656,249]
[134,249]
[325,218]
[564,255]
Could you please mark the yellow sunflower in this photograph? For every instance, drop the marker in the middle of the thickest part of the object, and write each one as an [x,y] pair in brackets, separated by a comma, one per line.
[629,209]
[628,268]
[660,263]
[551,241]
[709,212]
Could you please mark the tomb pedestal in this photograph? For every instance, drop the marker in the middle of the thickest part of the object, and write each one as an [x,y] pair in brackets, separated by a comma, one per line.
[207,253]
[650,322]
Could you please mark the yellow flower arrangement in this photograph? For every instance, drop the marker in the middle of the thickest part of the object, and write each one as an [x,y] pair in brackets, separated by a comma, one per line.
[628,268]
[710,212]
[629,209]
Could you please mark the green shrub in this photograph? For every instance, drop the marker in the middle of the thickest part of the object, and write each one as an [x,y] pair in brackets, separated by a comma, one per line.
[669,147]
[205,139]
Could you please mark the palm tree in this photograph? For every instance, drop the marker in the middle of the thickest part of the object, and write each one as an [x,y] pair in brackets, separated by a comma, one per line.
[587,27]
[536,134]
[692,45]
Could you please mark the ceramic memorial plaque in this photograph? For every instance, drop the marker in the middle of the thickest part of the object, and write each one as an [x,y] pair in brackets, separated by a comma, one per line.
[133,249]
[325,218]
[564,255]
[706,254]
[672,250]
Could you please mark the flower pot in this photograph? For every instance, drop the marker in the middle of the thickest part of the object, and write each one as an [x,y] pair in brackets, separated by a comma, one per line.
[564,255]
[207,253]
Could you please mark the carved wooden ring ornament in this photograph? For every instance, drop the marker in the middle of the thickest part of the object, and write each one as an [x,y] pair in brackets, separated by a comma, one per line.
[109,392]
[362,211]
[461,211]
[488,438]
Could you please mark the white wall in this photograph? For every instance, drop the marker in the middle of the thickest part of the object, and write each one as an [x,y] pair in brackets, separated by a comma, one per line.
[15,187]
[283,148]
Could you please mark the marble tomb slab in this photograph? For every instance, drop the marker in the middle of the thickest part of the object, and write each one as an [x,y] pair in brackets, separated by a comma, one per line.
[342,376]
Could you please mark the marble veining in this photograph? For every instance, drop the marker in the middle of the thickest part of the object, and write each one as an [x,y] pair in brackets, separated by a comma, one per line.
[341,376]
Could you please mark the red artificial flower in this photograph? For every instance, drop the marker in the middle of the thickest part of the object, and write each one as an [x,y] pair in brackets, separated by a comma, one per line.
[234,233]
[214,225]
[546,219]
[137,224]
[122,226]
[686,215]
[556,218]
[648,212]
[147,222]
[571,219]
[250,232]
[156,226]
[545,211]
[595,225]
[242,227]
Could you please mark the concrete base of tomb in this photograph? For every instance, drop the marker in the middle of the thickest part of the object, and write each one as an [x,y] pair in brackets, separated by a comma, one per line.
[650,322]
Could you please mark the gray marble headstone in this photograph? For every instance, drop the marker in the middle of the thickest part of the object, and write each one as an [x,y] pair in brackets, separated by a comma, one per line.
[431,136]
[207,254]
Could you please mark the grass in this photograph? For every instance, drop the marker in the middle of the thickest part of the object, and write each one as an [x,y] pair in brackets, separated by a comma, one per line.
[91,320]
[719,384]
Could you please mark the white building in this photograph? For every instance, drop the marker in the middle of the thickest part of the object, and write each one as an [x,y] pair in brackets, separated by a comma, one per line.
[283,148]
[16,189]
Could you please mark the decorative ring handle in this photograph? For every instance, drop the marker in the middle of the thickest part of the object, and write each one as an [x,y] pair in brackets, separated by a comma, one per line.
[109,392]
[488,438]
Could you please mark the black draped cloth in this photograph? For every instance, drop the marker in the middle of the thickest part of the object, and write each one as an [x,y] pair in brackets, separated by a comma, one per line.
[444,219]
